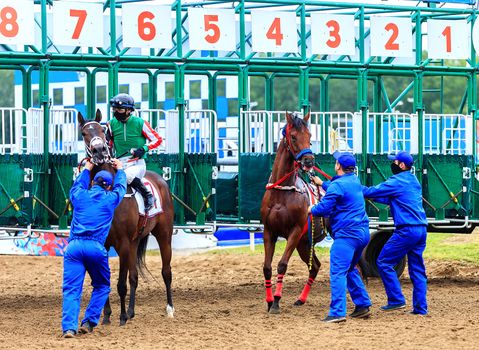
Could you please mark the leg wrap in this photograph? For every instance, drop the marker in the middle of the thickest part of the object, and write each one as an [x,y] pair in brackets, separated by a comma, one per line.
[269,291]
[279,285]
[306,289]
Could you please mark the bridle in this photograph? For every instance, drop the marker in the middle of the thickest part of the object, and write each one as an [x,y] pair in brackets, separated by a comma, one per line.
[287,141]
[94,142]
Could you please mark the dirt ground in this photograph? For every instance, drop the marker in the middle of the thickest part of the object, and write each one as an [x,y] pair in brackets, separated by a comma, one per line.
[219,305]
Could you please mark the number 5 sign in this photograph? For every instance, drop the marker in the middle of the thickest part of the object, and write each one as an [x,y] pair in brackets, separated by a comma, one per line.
[78,23]
[391,36]
[146,25]
[16,22]
[448,39]
[274,31]
[212,29]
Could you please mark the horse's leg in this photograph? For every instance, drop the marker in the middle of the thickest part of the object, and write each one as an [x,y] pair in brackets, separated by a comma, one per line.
[304,250]
[163,235]
[132,278]
[269,245]
[121,286]
[291,244]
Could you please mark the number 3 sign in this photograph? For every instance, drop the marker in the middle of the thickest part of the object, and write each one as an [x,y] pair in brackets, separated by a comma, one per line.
[78,24]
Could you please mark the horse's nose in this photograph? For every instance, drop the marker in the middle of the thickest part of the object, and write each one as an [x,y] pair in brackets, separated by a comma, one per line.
[308,162]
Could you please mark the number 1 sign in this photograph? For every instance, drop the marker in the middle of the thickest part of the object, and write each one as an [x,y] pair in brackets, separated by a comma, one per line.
[448,39]
[274,31]
[78,23]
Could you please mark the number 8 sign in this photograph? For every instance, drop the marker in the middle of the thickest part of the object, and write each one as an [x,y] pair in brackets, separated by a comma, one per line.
[78,24]
[16,22]
[146,25]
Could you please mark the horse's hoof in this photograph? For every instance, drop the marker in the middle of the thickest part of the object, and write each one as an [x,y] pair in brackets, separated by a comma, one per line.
[170,311]
[131,314]
[298,303]
[274,310]
[270,303]
[106,322]
[123,322]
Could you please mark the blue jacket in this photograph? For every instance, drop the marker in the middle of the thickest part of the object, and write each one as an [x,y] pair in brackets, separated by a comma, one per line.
[93,208]
[344,204]
[403,193]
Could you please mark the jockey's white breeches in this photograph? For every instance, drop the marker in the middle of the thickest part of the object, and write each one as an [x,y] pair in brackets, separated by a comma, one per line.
[133,169]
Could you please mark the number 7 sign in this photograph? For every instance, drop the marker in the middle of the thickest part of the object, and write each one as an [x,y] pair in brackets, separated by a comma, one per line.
[78,24]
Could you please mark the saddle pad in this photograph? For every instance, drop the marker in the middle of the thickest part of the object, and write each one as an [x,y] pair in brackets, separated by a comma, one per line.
[156,209]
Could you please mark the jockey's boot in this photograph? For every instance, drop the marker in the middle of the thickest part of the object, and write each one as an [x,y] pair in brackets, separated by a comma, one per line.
[147,195]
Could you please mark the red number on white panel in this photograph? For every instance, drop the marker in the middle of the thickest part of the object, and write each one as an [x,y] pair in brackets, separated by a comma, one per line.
[447,34]
[335,40]
[391,44]
[274,31]
[8,22]
[81,14]
[146,29]
[211,25]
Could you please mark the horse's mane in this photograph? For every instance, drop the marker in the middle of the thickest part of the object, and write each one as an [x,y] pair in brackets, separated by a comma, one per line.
[299,123]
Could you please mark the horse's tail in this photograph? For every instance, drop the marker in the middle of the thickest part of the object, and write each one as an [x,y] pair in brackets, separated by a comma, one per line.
[140,255]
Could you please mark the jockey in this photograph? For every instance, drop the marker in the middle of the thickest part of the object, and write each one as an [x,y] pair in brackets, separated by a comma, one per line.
[129,134]
[403,193]
[92,216]
[344,204]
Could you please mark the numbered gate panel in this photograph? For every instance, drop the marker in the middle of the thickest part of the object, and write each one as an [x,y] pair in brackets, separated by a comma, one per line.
[254,172]
[446,185]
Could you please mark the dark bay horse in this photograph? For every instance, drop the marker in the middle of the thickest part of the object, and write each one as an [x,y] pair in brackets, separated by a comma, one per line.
[127,234]
[284,210]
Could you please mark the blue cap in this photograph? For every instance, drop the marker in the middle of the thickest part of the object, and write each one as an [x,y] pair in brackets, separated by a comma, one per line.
[403,157]
[103,177]
[345,159]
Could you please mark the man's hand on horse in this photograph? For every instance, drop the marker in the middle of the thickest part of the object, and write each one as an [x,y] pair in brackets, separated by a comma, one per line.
[89,165]
[309,208]
[117,164]
[317,181]
[138,153]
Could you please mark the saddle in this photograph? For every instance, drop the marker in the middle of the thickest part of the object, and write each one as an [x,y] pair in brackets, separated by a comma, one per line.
[156,209]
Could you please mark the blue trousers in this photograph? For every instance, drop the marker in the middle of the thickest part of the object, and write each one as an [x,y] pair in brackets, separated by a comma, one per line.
[410,241]
[83,256]
[344,256]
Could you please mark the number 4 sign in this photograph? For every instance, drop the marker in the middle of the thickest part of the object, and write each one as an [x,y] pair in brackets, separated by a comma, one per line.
[448,39]
[274,31]
[16,22]
[212,29]
[78,23]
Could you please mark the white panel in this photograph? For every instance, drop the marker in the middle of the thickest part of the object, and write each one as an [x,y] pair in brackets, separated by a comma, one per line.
[146,25]
[274,31]
[357,133]
[448,39]
[212,29]
[332,34]
[17,22]
[414,131]
[78,24]
[469,130]
[391,37]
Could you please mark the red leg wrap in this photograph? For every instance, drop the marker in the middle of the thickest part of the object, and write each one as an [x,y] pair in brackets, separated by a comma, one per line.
[269,291]
[279,286]
[306,289]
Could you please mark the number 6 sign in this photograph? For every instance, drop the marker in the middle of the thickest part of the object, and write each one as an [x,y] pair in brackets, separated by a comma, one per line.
[212,29]
[78,23]
[274,31]
[146,25]
[16,22]
[391,37]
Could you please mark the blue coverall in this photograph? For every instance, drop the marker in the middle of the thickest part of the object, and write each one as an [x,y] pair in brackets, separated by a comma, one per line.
[404,195]
[92,217]
[344,204]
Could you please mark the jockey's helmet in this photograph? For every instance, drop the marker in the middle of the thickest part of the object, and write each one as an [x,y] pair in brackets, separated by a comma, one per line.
[123,101]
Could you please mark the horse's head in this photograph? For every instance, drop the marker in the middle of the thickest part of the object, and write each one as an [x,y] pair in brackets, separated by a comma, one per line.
[94,137]
[298,140]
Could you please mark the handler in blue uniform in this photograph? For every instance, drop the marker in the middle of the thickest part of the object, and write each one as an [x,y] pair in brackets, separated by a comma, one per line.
[402,192]
[344,204]
[92,217]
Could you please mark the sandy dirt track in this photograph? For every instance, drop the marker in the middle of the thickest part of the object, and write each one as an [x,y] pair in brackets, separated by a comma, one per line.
[219,305]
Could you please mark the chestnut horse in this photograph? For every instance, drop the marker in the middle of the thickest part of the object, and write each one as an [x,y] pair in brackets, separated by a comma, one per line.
[284,210]
[128,234]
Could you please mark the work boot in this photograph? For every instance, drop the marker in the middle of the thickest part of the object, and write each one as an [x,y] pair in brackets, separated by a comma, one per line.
[86,327]
[145,193]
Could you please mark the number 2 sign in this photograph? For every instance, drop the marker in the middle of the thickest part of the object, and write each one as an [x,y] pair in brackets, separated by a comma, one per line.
[448,39]
[332,34]
[274,31]
[212,29]
[16,22]
[146,25]
[78,23]
[391,37]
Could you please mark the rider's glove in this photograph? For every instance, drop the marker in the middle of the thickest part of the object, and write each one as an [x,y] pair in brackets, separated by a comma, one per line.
[138,153]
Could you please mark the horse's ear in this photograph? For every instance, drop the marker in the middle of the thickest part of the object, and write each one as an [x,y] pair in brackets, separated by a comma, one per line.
[80,118]
[306,118]
[289,117]
[98,116]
